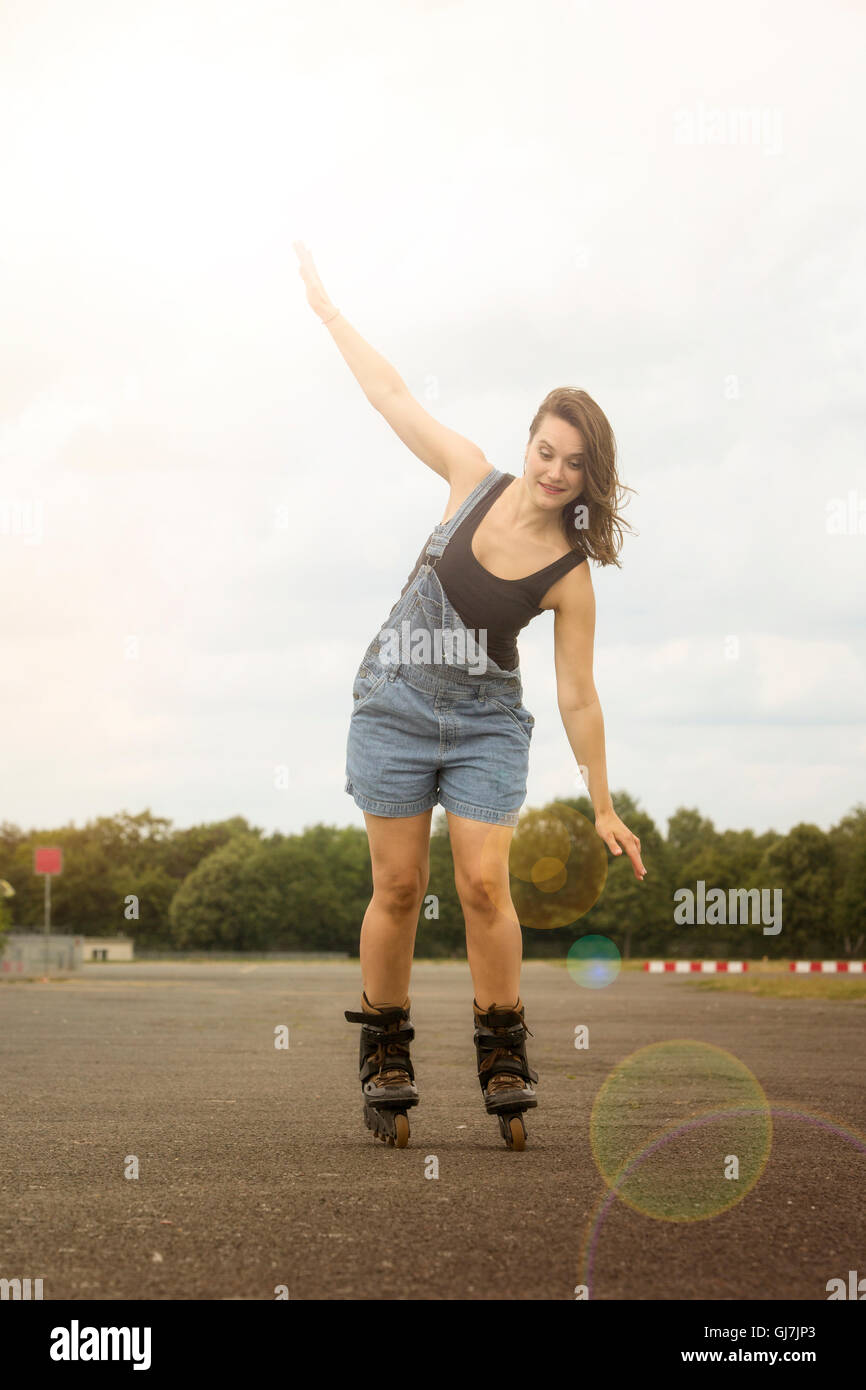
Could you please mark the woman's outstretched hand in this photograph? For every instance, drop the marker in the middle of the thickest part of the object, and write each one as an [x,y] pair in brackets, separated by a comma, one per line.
[317,297]
[618,837]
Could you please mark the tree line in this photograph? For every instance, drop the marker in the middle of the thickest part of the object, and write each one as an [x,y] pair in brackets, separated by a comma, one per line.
[229,886]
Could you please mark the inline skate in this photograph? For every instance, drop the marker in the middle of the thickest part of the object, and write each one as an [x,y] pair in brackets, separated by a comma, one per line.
[503,1071]
[386,1071]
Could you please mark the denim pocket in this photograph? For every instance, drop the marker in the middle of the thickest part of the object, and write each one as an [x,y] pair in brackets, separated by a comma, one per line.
[518,714]
[367,682]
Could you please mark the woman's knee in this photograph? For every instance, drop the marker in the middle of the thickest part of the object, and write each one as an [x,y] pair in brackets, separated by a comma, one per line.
[401,889]
[482,896]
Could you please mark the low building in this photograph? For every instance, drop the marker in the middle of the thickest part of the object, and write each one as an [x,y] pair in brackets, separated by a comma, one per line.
[108,948]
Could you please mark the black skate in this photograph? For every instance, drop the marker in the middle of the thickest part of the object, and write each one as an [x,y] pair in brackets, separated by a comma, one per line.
[387,1074]
[503,1071]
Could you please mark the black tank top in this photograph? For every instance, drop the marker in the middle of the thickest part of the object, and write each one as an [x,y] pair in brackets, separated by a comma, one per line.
[502,606]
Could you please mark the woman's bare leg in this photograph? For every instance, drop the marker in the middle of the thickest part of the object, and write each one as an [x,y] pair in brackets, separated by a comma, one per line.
[400,858]
[494,943]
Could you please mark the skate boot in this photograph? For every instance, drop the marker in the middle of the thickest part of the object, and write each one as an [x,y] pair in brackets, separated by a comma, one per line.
[503,1071]
[387,1074]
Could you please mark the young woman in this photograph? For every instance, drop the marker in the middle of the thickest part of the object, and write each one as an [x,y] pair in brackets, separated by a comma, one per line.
[438,717]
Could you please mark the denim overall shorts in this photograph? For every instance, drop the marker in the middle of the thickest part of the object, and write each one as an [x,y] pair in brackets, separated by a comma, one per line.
[435,719]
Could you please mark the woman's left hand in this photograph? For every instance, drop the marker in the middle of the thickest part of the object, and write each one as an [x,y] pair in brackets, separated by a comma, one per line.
[317,295]
[618,837]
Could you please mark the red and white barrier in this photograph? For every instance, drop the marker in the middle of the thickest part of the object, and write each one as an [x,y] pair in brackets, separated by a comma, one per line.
[828,967]
[704,967]
[737,967]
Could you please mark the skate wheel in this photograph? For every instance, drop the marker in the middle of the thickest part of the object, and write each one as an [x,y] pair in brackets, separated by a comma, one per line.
[401,1128]
[516,1133]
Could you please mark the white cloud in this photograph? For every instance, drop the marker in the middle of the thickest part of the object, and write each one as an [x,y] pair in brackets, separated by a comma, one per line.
[499,203]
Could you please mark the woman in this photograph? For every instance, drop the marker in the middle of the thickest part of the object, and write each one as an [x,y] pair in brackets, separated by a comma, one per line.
[439,719]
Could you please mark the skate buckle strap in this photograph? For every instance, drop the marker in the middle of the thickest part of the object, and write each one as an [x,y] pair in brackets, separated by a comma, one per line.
[374,1034]
[502,1048]
[515,1032]
[384,1018]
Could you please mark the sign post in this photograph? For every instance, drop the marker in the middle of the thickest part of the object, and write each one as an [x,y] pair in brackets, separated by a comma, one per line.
[47,862]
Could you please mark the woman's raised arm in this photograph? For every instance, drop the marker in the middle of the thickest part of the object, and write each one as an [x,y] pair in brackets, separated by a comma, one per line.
[451,455]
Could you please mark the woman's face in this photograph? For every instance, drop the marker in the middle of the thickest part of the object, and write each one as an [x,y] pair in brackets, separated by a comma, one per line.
[554,463]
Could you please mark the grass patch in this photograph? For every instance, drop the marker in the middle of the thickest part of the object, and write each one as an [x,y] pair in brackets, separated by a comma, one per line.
[787,986]
[768,979]
[560,962]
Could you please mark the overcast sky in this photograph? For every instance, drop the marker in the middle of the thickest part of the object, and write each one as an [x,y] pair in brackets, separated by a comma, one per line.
[202,520]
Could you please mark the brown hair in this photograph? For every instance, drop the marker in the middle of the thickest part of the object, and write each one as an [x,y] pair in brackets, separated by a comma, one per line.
[601,539]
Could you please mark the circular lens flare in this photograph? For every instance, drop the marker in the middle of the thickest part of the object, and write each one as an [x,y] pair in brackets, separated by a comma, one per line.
[652,1140]
[593,962]
[557,867]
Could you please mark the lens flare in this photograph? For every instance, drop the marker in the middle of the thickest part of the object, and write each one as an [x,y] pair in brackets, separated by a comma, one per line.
[593,962]
[607,1200]
[557,867]
[652,1138]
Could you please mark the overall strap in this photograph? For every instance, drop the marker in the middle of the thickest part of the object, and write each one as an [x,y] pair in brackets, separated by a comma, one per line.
[444,530]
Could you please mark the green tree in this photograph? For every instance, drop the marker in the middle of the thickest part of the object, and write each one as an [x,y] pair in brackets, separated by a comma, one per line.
[849,905]
[636,915]
[215,905]
[5,921]
[153,890]
[801,863]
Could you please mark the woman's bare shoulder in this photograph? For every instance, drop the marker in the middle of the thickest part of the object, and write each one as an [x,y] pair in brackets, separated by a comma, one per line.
[464,477]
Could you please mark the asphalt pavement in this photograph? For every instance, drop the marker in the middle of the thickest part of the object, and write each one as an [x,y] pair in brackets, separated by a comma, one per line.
[255,1172]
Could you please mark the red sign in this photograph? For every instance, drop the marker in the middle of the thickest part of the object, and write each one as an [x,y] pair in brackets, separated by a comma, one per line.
[48,861]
